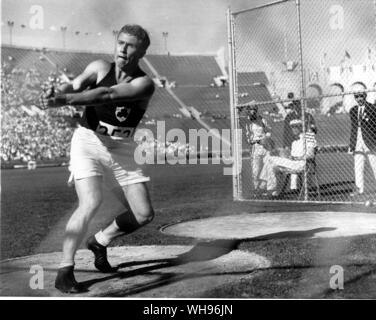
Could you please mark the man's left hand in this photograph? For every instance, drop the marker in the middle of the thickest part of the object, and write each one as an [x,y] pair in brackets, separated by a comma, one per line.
[48,100]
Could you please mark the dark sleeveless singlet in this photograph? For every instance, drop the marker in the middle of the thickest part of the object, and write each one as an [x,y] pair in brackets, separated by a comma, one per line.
[114,118]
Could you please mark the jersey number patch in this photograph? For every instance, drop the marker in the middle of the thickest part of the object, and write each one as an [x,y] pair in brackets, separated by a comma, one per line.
[114,131]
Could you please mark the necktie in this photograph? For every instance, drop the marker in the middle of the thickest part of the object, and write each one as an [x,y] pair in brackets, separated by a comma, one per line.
[360,117]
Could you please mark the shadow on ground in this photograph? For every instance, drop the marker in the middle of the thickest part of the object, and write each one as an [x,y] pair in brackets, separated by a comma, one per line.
[202,251]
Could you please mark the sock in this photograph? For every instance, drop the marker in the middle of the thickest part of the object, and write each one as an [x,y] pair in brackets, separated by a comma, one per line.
[294,181]
[66,264]
[102,239]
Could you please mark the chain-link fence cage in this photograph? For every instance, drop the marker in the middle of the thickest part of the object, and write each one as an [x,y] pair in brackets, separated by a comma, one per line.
[300,72]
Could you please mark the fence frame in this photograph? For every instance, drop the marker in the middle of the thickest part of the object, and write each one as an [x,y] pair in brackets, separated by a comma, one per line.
[235,106]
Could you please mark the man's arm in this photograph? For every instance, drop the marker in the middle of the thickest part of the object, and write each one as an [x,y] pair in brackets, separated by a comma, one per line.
[311,150]
[354,128]
[311,123]
[267,128]
[138,89]
[248,134]
[308,148]
[287,133]
[87,78]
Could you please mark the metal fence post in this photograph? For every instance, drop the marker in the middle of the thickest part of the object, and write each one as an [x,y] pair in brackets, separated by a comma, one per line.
[302,92]
[233,111]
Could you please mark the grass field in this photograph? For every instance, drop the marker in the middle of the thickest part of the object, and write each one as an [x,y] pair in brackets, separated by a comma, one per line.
[36,205]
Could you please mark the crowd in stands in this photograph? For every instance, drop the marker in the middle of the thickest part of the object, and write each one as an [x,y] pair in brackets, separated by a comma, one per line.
[33,137]
[27,133]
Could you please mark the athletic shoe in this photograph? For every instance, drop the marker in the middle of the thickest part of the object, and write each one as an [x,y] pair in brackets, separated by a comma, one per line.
[271,193]
[66,283]
[356,194]
[100,255]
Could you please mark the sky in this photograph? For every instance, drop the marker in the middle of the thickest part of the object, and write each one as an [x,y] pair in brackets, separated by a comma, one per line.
[194,26]
[331,29]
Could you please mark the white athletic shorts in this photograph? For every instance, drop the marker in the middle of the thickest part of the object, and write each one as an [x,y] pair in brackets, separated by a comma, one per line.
[94,154]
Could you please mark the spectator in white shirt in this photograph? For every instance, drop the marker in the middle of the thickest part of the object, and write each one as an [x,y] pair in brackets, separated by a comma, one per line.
[302,148]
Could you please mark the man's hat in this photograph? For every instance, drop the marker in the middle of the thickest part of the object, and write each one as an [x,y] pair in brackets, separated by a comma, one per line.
[359,88]
[290,95]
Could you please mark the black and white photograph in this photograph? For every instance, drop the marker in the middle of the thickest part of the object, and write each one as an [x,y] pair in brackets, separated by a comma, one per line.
[207,149]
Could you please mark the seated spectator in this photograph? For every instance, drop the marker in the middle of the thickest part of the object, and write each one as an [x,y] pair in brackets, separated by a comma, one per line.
[294,111]
[302,148]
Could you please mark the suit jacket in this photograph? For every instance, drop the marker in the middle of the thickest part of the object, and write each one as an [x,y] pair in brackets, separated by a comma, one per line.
[368,125]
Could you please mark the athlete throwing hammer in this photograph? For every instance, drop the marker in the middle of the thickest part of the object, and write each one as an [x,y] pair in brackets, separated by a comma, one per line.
[116,96]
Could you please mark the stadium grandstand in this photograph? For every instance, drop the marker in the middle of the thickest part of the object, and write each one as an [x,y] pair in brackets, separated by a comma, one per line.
[186,70]
[191,93]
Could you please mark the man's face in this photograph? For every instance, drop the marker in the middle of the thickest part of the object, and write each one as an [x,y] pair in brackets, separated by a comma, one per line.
[128,50]
[288,109]
[252,113]
[297,106]
[296,130]
[360,98]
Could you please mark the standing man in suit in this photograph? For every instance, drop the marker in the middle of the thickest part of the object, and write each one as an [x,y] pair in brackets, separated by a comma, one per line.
[362,138]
